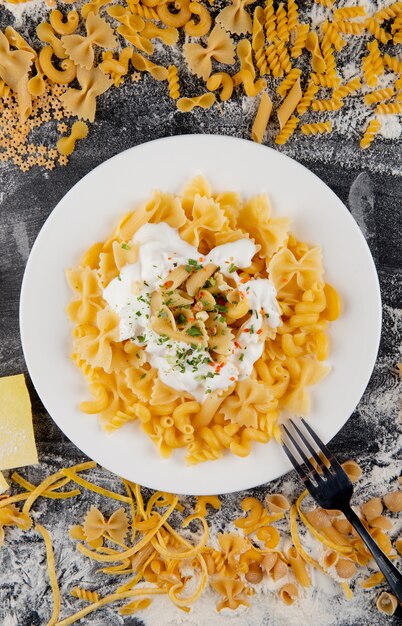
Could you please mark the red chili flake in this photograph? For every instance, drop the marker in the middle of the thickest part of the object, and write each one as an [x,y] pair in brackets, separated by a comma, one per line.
[261,311]
[232,378]
[227,262]
[168,283]
[245,279]
[259,331]
[169,258]
[236,343]
[284,280]
[201,259]
[246,330]
[211,363]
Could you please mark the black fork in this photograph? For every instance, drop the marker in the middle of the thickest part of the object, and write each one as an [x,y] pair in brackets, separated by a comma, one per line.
[330,486]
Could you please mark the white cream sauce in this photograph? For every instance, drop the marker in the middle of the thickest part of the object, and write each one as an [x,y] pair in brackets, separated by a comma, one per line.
[179,365]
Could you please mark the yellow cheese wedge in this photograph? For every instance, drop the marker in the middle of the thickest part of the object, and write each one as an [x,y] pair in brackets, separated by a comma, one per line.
[17,442]
[3,484]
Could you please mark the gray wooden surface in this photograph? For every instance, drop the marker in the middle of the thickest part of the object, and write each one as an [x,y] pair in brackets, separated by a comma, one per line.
[368,183]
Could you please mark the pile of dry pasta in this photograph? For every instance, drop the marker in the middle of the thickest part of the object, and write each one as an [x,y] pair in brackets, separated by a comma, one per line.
[138,544]
[267,52]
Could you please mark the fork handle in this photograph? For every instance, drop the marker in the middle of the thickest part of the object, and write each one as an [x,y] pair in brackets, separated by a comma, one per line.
[392,575]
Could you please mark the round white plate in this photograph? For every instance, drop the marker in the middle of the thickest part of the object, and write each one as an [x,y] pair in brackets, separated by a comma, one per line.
[88,213]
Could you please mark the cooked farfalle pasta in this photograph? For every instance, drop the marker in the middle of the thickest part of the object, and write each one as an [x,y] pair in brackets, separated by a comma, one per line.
[219,47]
[370,133]
[202,308]
[316,128]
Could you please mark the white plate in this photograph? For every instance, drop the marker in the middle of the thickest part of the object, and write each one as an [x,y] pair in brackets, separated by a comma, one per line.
[88,213]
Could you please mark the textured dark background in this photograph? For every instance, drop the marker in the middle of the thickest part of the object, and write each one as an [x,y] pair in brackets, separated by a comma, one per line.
[368,182]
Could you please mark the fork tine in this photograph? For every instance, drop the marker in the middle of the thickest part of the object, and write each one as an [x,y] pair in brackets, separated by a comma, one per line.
[308,445]
[311,469]
[332,461]
[297,466]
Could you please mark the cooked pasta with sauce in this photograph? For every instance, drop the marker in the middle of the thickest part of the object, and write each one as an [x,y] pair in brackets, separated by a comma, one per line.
[197,306]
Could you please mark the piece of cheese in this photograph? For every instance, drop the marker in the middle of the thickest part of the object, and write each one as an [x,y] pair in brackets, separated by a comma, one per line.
[17,442]
[4,486]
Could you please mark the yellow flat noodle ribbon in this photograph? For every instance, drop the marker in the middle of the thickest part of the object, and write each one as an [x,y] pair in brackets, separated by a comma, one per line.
[51,568]
[22,482]
[318,535]
[161,548]
[139,499]
[34,495]
[132,506]
[113,597]
[131,551]
[70,472]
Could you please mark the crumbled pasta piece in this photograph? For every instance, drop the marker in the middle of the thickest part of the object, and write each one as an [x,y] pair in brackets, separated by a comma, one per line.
[316,128]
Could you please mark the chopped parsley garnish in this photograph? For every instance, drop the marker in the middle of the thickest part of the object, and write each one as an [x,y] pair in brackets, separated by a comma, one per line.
[251,329]
[266,314]
[119,278]
[162,339]
[241,357]
[142,299]
[125,246]
[138,313]
[232,268]
[221,308]
[194,331]
[192,266]
[181,319]
[145,283]
[143,376]
[141,338]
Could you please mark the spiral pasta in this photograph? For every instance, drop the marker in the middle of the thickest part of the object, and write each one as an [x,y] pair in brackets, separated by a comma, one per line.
[316,128]
[370,133]
[282,30]
[346,13]
[300,41]
[393,108]
[85,594]
[288,82]
[307,98]
[287,131]
[173,81]
[270,21]
[349,28]
[293,15]
[389,12]
[373,64]
[379,95]
[323,80]
[350,87]
[375,29]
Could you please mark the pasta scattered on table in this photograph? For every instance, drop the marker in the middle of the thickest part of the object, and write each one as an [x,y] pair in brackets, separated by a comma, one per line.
[140,545]
[279,46]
